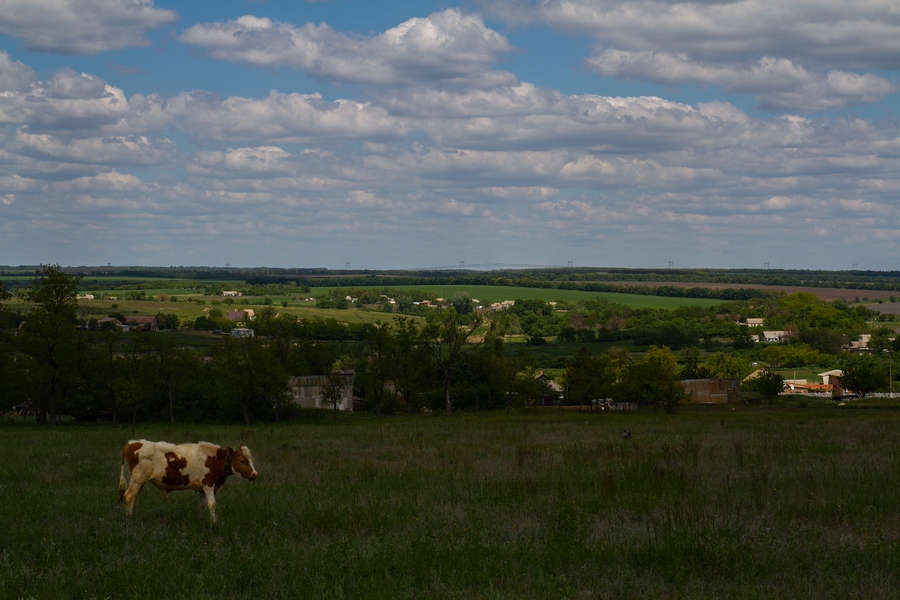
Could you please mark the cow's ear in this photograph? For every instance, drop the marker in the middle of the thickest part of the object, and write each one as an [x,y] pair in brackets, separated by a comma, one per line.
[230,451]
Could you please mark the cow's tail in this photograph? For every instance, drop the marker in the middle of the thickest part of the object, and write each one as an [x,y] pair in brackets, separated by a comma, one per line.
[123,485]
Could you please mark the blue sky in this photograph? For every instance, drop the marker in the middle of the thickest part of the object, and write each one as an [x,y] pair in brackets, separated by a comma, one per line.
[391,134]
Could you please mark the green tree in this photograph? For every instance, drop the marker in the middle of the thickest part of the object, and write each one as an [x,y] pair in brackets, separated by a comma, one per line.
[412,361]
[652,381]
[588,377]
[689,359]
[767,384]
[448,340]
[735,366]
[50,337]
[333,391]
[863,373]
[250,380]
[463,303]
[172,364]
[380,361]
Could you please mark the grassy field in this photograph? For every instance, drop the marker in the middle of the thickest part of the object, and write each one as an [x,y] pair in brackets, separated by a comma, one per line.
[762,502]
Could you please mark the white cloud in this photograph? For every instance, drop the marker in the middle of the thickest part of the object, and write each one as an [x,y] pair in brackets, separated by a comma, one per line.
[81,26]
[511,161]
[111,181]
[444,45]
[281,118]
[794,56]
[112,150]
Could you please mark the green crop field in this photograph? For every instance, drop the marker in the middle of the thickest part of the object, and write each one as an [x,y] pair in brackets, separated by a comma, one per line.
[757,502]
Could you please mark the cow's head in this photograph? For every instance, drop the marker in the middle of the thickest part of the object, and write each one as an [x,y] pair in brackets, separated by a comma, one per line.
[242,462]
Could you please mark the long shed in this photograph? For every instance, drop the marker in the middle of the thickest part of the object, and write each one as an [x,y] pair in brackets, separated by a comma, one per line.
[712,391]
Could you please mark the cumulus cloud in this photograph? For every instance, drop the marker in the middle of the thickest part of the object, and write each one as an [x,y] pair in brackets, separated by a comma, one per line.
[281,118]
[81,26]
[794,56]
[118,150]
[512,160]
[444,45]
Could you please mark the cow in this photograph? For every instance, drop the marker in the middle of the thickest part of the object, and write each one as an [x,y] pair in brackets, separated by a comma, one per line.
[203,467]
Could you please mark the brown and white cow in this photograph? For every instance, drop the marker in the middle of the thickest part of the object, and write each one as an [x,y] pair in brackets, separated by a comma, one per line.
[203,467]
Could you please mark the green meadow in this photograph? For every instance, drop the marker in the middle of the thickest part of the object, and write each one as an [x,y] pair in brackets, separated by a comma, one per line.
[751,502]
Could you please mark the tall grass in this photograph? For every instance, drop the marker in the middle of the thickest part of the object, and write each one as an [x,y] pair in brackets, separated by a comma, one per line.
[744,504]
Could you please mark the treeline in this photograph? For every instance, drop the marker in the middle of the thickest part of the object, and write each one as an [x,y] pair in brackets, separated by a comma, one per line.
[558,277]
[451,360]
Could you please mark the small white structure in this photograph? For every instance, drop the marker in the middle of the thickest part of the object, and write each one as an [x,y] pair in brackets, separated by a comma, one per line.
[242,332]
[232,293]
[84,297]
[831,377]
[775,336]
[862,343]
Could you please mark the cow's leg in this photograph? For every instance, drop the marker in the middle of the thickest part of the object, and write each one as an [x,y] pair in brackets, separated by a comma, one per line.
[131,494]
[139,476]
[210,494]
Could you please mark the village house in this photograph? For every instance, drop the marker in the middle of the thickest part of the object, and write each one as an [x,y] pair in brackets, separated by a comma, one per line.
[503,305]
[775,336]
[556,393]
[238,316]
[142,323]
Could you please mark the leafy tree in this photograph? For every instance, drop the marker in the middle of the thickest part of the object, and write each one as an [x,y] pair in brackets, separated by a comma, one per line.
[281,332]
[863,373]
[167,321]
[251,381]
[380,361]
[448,340]
[333,391]
[767,384]
[412,360]
[463,303]
[689,359]
[508,370]
[172,365]
[587,377]
[50,337]
[791,355]
[735,365]
[652,381]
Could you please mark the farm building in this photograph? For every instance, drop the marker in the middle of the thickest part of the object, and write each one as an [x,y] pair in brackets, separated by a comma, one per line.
[307,390]
[554,395]
[712,391]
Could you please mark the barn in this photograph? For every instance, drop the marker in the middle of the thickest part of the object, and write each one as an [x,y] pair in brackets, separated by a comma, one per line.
[712,391]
